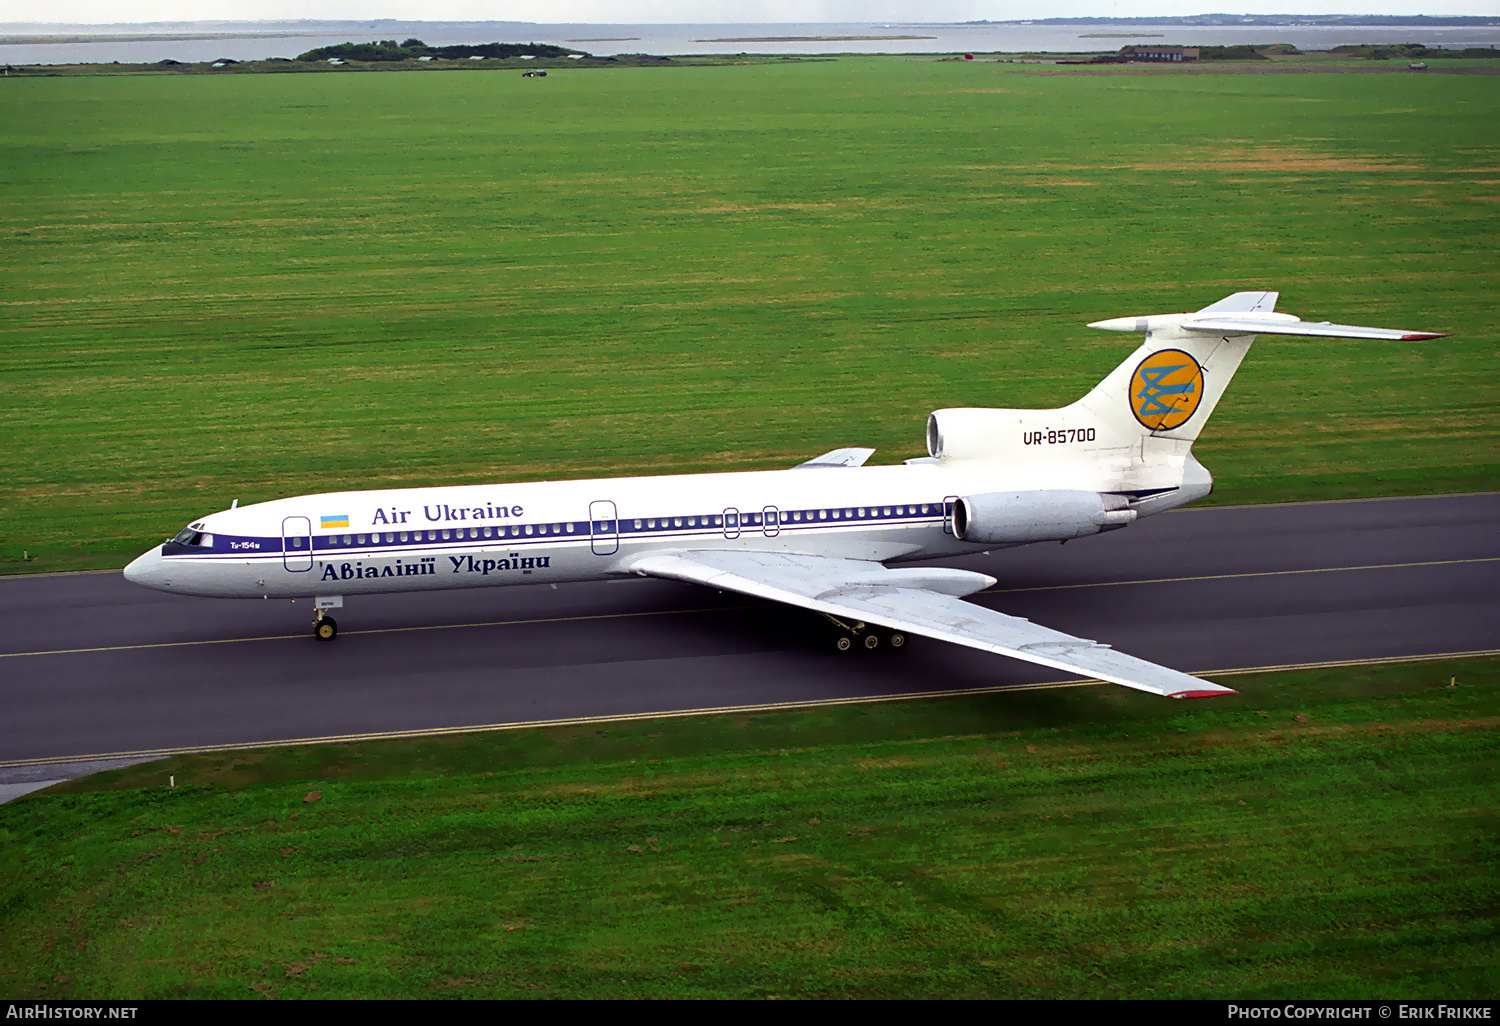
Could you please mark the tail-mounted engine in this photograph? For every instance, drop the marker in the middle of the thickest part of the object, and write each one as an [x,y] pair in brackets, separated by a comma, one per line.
[970,433]
[1014,518]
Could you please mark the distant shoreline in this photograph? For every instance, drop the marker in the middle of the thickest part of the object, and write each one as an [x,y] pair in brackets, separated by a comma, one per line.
[148,37]
[807,39]
[56,43]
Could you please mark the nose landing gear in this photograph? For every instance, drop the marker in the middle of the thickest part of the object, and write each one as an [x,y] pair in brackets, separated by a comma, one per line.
[326,628]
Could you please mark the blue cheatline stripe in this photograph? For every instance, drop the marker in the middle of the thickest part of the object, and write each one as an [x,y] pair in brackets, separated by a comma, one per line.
[229,546]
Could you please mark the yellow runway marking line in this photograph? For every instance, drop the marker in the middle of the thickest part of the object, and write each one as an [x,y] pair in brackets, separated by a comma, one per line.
[670,612]
[1256,573]
[370,630]
[725,710]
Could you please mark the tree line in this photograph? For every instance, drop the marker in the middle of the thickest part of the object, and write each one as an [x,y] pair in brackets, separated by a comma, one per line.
[390,50]
[1408,51]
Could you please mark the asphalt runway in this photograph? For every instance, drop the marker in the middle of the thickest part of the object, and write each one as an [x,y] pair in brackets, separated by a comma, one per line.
[94,670]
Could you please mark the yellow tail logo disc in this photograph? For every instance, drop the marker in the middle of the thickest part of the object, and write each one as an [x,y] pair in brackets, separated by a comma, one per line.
[1166,389]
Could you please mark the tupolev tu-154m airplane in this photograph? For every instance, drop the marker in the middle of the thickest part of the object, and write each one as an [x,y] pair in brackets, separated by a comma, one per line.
[819,535]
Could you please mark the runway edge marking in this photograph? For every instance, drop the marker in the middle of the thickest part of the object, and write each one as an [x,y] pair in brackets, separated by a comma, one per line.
[727,710]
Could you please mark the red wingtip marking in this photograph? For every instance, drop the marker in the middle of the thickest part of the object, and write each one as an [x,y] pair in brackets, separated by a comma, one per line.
[1422,336]
[1203,694]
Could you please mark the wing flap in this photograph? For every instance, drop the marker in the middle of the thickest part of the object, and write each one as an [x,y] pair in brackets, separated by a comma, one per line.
[926,602]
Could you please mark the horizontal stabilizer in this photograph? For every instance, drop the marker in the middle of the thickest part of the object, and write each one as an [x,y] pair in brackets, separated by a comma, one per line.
[919,601]
[1250,325]
[838,458]
[1251,313]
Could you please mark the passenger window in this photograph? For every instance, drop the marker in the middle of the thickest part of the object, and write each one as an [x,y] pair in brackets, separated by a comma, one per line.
[404,536]
[528,529]
[487,532]
[348,539]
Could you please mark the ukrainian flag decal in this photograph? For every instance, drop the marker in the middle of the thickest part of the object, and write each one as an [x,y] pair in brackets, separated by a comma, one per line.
[341,520]
[1165,389]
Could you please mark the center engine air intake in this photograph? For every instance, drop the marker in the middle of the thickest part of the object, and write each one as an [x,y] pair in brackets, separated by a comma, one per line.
[1013,518]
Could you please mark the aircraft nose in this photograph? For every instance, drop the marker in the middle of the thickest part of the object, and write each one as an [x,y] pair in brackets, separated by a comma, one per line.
[148,570]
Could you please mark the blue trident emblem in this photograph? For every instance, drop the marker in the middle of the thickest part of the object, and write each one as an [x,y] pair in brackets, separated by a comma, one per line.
[1150,397]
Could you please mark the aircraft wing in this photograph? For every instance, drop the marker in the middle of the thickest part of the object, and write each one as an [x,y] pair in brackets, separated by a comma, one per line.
[924,601]
[838,458]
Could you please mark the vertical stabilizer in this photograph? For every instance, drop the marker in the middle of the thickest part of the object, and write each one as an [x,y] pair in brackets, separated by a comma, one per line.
[1132,434]
[1168,388]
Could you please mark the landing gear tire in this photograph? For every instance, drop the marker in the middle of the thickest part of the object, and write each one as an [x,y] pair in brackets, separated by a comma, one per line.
[871,642]
[895,640]
[843,643]
[326,629]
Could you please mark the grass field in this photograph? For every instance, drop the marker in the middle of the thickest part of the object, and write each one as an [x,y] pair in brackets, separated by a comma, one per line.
[247,286]
[1327,834]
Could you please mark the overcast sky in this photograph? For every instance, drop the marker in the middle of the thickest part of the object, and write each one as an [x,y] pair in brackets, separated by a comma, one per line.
[699,11]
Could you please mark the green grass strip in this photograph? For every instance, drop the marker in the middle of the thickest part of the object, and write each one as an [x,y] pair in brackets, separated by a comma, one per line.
[1327,834]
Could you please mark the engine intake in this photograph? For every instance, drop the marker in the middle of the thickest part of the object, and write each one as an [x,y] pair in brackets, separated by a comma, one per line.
[1015,518]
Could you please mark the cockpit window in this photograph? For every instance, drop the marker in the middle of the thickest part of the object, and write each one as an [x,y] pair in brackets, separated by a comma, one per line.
[188,536]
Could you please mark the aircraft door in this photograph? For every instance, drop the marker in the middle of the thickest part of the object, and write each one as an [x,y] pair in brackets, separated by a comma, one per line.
[731,523]
[604,528]
[296,544]
[771,522]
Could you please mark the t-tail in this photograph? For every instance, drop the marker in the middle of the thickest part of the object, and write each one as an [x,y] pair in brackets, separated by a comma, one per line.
[1132,435]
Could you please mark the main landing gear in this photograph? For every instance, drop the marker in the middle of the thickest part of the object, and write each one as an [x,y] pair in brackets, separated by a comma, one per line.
[854,636]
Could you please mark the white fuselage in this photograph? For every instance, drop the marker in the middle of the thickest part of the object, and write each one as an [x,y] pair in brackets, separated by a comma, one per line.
[346,543]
